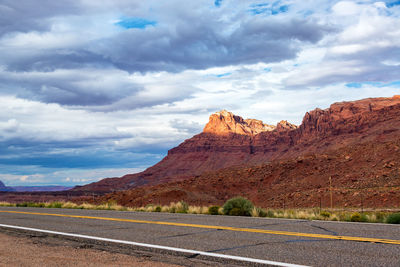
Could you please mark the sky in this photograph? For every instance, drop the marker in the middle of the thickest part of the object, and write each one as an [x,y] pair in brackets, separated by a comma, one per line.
[100,88]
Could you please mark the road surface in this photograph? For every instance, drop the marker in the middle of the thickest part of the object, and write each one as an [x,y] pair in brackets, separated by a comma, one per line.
[208,240]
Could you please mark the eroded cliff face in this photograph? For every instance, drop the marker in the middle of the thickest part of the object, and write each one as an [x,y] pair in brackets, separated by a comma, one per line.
[225,123]
[229,140]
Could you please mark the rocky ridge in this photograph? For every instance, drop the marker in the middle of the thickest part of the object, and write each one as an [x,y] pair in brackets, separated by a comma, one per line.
[229,140]
[4,188]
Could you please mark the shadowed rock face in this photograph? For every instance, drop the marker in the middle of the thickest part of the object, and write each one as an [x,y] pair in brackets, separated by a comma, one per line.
[229,140]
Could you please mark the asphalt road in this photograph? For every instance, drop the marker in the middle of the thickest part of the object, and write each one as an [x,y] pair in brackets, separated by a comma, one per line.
[313,243]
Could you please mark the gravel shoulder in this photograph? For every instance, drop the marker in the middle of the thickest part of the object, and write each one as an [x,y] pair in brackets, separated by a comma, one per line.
[18,250]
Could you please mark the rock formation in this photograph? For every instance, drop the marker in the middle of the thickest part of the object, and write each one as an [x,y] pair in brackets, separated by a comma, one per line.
[229,140]
[225,123]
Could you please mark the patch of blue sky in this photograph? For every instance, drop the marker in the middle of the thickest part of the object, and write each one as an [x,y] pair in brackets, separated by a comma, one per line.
[375,84]
[394,84]
[217,3]
[280,9]
[390,4]
[268,9]
[308,13]
[223,74]
[135,23]
[354,85]
[267,69]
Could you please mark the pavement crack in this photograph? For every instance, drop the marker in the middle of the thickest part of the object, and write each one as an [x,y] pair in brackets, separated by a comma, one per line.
[189,234]
[237,247]
[324,229]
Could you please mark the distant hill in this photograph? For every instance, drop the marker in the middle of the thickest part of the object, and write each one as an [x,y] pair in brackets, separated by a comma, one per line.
[51,188]
[40,188]
[4,188]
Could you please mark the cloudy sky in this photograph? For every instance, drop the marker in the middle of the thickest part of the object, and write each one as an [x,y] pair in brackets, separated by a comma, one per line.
[100,88]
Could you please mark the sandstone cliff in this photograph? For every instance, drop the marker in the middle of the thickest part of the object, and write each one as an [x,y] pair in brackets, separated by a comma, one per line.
[229,140]
[225,123]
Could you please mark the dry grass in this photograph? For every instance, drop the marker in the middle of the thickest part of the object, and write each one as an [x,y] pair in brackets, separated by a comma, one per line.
[6,204]
[182,207]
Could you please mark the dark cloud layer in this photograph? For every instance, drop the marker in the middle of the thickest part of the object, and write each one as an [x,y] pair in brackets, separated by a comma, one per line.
[205,44]
[174,44]
[31,15]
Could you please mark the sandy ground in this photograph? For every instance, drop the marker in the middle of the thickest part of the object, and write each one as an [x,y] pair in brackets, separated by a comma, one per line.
[25,251]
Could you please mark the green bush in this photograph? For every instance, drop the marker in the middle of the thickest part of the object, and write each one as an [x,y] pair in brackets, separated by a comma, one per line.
[23,204]
[213,210]
[270,213]
[393,218]
[236,212]
[30,204]
[380,217]
[157,209]
[357,217]
[325,214]
[262,212]
[56,205]
[238,206]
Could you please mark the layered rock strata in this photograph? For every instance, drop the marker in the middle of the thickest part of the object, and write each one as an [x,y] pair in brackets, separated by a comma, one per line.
[229,140]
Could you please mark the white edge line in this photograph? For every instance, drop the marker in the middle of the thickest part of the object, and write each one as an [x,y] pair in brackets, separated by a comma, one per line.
[216,255]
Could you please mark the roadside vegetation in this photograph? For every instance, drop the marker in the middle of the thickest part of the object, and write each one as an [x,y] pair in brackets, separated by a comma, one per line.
[237,206]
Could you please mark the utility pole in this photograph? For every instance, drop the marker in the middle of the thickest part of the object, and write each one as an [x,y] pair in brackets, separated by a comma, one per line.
[362,204]
[330,189]
[320,204]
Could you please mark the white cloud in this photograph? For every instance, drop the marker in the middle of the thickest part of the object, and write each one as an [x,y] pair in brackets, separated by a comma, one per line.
[346,8]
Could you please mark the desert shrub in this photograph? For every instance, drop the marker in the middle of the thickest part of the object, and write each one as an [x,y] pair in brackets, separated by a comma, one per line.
[57,205]
[69,205]
[393,218]
[334,217]
[357,217]
[204,210]
[236,212]
[87,206]
[258,212]
[238,206]
[380,217]
[29,204]
[270,213]
[157,209]
[6,204]
[325,214]
[149,208]
[23,204]
[213,210]
[165,208]
[182,207]
[196,210]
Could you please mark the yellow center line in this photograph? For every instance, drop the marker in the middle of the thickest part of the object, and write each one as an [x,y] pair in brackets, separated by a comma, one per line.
[228,228]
